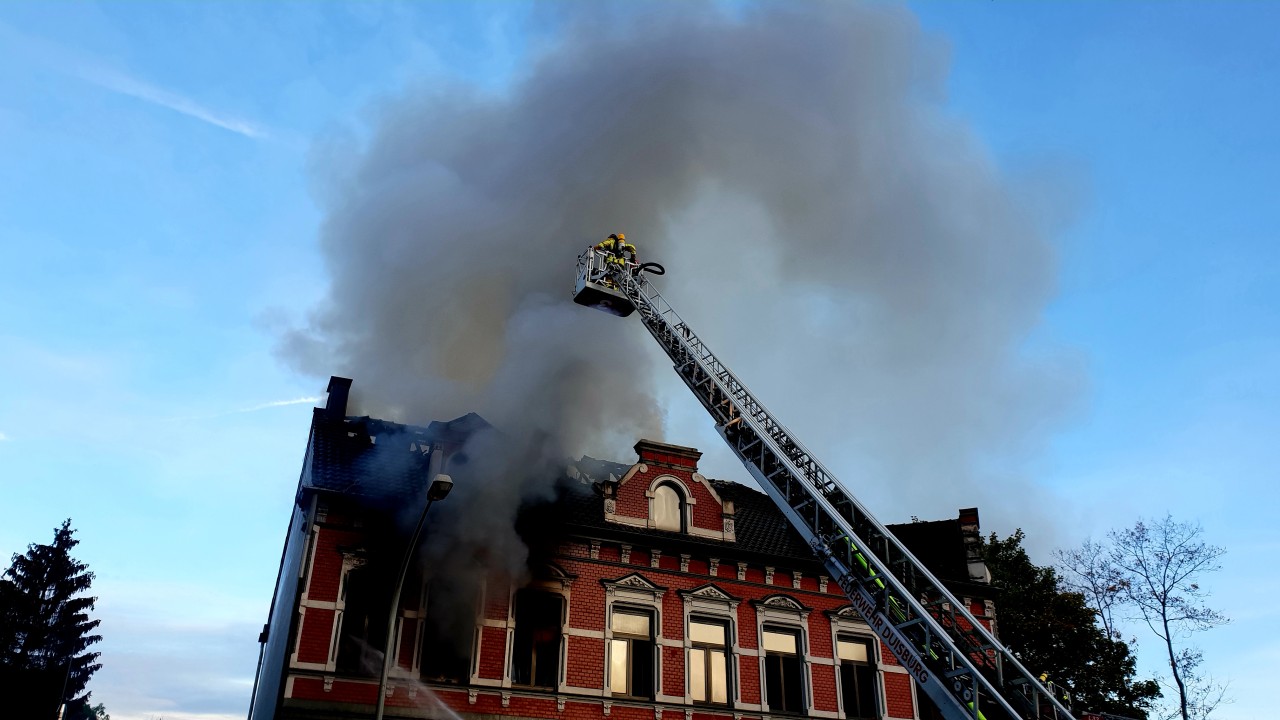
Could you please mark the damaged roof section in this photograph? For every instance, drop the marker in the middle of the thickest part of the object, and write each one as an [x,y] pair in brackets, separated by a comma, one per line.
[378,461]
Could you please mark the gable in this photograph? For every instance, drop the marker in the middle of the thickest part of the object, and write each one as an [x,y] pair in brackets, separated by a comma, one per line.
[630,499]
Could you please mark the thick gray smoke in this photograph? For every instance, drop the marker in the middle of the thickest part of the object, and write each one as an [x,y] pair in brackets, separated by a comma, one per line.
[838,238]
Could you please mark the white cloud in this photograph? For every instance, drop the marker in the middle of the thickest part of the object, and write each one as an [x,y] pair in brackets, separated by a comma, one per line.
[133,87]
[76,63]
[4,438]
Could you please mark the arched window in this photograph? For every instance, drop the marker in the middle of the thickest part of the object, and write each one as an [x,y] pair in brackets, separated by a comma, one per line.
[668,508]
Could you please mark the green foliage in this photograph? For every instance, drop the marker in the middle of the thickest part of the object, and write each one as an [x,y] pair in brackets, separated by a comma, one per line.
[1056,632]
[45,631]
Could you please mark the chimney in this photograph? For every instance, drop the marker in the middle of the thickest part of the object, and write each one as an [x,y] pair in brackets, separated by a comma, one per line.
[652,452]
[972,538]
[339,389]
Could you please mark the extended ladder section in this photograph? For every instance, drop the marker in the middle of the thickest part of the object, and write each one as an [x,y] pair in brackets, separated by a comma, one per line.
[953,657]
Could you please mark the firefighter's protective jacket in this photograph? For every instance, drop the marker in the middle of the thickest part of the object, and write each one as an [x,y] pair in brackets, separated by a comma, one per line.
[619,248]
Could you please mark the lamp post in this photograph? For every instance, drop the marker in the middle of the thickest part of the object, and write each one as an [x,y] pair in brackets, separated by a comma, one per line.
[440,487]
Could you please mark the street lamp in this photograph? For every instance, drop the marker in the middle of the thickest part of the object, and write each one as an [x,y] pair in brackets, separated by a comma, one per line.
[440,487]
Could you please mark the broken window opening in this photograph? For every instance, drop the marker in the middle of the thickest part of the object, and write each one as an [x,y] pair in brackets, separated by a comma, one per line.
[448,633]
[363,633]
[535,655]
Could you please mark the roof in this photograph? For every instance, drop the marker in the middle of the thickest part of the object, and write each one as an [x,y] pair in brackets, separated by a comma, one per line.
[371,458]
[759,526]
[380,461]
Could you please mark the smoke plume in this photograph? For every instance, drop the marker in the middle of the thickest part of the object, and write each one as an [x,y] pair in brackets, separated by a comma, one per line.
[844,243]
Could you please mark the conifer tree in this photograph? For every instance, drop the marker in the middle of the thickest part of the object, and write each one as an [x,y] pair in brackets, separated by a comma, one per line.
[45,631]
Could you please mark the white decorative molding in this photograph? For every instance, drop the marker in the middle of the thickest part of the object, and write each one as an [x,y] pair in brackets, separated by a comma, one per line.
[684,562]
[728,528]
[711,592]
[633,588]
[782,601]
[637,581]
[472,695]
[990,607]
[642,468]
[626,554]
[822,583]
[610,506]
[768,575]
[595,550]
[352,561]
[657,712]
[742,571]
[846,622]
[608,708]
[559,703]
[795,579]
[655,557]
[328,683]
[506,699]
[713,567]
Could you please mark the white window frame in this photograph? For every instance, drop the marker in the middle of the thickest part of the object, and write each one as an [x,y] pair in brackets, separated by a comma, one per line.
[846,621]
[687,501]
[554,581]
[713,603]
[786,612]
[634,591]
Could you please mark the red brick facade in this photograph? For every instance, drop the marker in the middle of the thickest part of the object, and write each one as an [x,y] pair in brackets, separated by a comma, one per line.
[697,572]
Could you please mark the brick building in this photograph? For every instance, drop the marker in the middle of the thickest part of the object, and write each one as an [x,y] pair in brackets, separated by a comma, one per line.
[652,593]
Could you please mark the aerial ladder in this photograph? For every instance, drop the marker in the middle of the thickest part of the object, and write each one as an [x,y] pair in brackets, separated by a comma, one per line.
[953,658]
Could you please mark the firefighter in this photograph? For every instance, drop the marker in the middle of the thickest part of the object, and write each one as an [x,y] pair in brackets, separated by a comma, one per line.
[618,252]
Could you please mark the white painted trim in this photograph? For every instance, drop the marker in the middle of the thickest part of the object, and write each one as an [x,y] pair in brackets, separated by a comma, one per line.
[858,628]
[795,619]
[721,609]
[648,599]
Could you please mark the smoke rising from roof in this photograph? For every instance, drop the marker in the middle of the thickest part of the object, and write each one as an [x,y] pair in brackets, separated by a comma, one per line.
[839,239]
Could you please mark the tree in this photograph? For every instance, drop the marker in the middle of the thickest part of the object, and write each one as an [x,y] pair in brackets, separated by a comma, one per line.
[1089,571]
[45,631]
[1163,562]
[1054,631]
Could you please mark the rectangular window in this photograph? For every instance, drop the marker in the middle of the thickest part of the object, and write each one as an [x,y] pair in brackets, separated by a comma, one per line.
[535,654]
[364,624]
[631,654]
[857,677]
[709,662]
[448,632]
[783,671]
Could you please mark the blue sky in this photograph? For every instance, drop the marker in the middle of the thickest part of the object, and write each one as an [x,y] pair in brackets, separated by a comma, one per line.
[158,227]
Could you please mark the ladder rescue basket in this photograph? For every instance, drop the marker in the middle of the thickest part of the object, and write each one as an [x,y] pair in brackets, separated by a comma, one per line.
[595,289]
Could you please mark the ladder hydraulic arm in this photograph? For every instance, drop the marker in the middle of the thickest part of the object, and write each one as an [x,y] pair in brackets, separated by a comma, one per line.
[951,656]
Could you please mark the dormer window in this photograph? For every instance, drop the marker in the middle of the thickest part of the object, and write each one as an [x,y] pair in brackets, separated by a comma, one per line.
[667,509]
